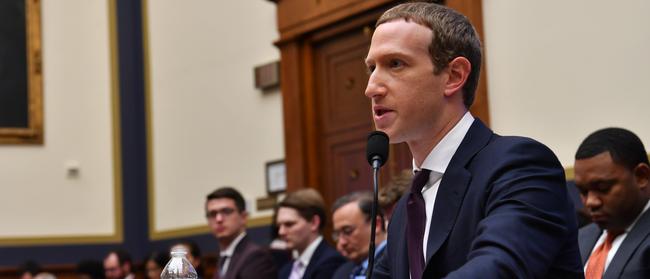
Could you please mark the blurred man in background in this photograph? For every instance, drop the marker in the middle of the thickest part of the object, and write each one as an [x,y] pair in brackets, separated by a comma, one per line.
[613,177]
[239,257]
[352,227]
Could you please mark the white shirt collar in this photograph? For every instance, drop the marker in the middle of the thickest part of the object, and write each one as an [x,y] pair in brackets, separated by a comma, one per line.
[439,158]
[306,255]
[231,248]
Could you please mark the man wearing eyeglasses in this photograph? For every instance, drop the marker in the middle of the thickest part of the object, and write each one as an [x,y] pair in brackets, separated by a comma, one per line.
[352,227]
[238,256]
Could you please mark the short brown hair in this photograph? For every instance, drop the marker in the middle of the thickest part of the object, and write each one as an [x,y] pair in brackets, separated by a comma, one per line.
[453,36]
[308,202]
[227,192]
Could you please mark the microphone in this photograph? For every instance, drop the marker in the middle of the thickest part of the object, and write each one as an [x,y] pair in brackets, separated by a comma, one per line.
[377,155]
[377,149]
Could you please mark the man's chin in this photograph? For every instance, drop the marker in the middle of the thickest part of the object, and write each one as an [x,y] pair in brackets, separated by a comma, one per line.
[603,224]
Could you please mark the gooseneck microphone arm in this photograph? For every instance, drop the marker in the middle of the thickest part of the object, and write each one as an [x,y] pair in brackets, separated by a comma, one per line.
[377,155]
[373,218]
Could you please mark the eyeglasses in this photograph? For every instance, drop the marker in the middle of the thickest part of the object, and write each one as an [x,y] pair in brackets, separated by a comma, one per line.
[346,231]
[224,212]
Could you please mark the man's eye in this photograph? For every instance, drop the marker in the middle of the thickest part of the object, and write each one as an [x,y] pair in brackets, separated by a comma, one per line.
[396,63]
[605,186]
[583,192]
[370,69]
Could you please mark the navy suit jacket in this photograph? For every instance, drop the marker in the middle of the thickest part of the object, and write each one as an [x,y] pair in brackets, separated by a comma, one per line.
[249,261]
[632,259]
[345,270]
[322,264]
[502,211]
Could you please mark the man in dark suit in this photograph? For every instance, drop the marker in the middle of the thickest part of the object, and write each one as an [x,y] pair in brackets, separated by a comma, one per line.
[300,219]
[613,177]
[239,257]
[118,265]
[481,205]
[352,226]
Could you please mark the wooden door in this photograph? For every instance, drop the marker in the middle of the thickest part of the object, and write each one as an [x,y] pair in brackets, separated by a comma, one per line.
[344,115]
[326,117]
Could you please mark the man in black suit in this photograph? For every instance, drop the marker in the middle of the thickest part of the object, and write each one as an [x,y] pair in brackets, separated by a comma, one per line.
[300,220]
[118,265]
[481,205]
[613,177]
[239,257]
[352,226]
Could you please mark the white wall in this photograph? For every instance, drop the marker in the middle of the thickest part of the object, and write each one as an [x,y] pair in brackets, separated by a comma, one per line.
[559,70]
[209,126]
[37,198]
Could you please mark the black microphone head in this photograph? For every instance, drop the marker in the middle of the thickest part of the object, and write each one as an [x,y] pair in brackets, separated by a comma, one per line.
[377,147]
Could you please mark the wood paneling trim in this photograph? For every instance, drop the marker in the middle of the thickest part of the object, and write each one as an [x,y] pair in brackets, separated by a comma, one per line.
[291,30]
[312,127]
[294,122]
[473,9]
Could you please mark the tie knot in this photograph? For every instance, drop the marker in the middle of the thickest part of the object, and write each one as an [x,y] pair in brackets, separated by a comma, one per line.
[611,236]
[358,270]
[419,180]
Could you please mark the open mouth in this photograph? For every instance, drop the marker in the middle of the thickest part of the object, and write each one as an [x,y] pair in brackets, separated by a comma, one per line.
[381,111]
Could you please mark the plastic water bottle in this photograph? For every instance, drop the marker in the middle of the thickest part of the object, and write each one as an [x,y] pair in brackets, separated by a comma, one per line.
[178,266]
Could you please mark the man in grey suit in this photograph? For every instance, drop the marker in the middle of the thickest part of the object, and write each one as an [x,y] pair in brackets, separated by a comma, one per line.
[613,177]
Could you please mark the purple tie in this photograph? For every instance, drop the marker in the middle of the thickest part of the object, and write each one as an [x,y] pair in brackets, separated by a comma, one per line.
[415,223]
[295,270]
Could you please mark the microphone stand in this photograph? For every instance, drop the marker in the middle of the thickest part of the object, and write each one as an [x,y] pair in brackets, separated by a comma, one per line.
[376,163]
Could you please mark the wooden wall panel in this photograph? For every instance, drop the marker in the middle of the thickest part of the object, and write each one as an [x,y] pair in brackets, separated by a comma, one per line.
[299,17]
[473,9]
[314,109]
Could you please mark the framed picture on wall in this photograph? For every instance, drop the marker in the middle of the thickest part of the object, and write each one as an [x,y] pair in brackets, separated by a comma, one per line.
[21,108]
[276,177]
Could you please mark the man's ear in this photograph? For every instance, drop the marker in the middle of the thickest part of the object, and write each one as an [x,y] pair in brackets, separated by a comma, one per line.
[458,70]
[379,225]
[315,223]
[244,216]
[642,177]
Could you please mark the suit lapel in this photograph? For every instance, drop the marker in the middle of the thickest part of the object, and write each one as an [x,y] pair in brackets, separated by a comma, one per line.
[314,260]
[233,266]
[629,246]
[588,238]
[397,241]
[453,186]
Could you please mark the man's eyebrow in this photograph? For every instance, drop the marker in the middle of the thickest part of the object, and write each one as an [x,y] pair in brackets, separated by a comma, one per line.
[387,54]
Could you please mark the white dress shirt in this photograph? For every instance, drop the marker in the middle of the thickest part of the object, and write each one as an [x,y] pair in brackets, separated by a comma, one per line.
[437,162]
[306,255]
[228,253]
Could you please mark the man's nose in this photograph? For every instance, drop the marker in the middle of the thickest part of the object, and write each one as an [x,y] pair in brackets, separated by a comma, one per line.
[593,200]
[376,86]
